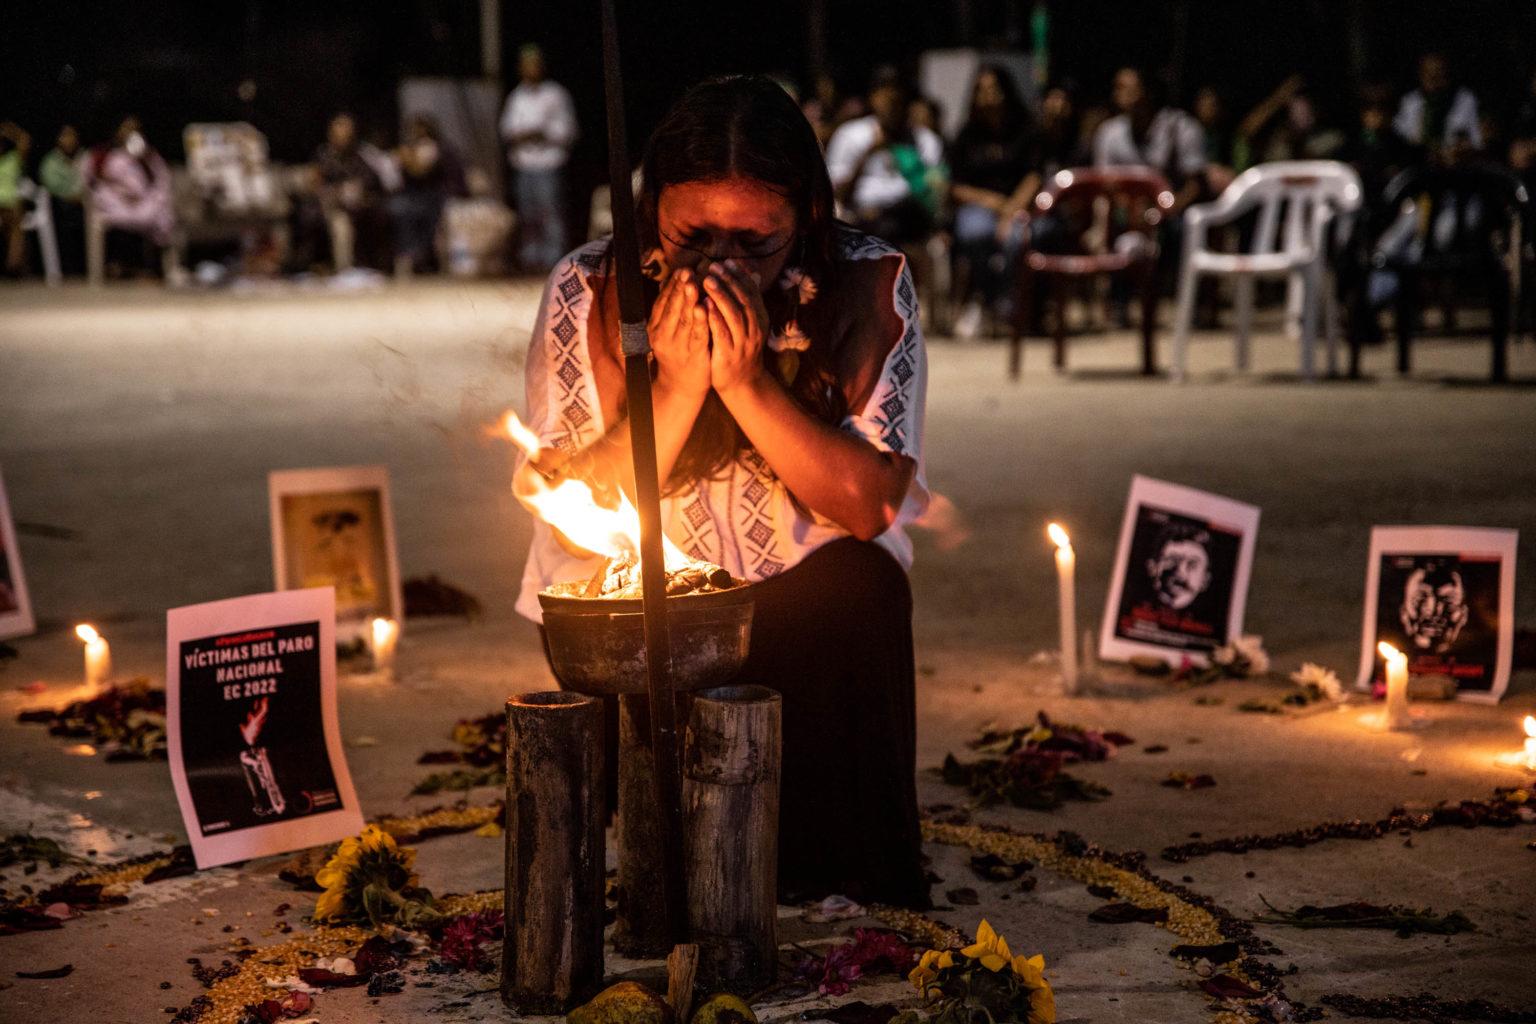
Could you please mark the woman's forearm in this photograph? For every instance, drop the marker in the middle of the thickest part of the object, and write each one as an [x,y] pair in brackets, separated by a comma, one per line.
[835,474]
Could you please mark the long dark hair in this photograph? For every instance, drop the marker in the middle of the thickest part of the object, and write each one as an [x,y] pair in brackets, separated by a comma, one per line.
[747,126]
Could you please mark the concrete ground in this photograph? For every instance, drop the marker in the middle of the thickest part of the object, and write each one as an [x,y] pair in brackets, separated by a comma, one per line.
[145,423]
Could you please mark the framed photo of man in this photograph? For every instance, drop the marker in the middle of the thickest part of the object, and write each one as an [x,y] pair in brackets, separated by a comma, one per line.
[1445,597]
[15,604]
[1180,580]
[333,528]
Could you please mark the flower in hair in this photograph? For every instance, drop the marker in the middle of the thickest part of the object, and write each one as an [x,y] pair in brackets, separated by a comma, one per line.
[793,279]
[790,339]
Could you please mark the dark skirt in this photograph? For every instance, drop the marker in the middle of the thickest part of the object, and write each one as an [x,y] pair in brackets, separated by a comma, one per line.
[833,636]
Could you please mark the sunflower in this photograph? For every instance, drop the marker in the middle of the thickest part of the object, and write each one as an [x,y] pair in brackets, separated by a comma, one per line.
[370,877]
[1030,971]
[925,975]
[990,948]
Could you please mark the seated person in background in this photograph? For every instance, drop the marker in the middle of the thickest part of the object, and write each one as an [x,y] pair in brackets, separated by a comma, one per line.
[1284,127]
[1374,149]
[994,179]
[129,185]
[887,173]
[1436,115]
[14,143]
[346,206]
[61,175]
[1167,140]
[431,174]
[1141,135]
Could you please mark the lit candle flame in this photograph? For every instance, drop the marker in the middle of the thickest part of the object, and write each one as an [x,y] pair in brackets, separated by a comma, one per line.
[1530,726]
[1058,535]
[1389,652]
[570,507]
[87,633]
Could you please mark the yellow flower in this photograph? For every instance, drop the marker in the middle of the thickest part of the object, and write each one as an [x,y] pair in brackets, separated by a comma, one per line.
[990,948]
[329,904]
[1042,1001]
[925,975]
[336,876]
[926,972]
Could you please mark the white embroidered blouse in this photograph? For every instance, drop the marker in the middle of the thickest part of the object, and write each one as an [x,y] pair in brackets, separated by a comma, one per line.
[744,519]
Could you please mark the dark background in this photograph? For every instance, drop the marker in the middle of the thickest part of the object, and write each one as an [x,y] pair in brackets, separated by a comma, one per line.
[173,62]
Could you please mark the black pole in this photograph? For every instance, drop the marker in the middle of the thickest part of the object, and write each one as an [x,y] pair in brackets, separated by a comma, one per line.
[642,431]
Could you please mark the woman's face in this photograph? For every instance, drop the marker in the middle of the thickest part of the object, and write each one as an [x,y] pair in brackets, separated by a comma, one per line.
[989,92]
[738,218]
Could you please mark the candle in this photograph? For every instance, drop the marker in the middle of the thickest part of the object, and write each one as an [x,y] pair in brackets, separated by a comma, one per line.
[98,657]
[1530,742]
[1066,587]
[386,633]
[1397,685]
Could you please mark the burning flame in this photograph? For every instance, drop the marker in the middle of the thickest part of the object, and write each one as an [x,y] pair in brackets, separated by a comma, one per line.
[1058,535]
[570,507]
[384,630]
[1530,726]
[1389,652]
[521,436]
[87,633]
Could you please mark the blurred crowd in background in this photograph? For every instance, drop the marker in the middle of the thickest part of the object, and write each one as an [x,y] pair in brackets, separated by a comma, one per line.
[902,165]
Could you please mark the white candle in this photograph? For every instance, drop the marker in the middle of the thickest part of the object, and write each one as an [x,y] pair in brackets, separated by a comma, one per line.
[98,657]
[386,634]
[1397,685]
[1066,587]
[1530,742]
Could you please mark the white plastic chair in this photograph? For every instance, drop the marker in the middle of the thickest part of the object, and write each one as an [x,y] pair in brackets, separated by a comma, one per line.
[1297,202]
[39,218]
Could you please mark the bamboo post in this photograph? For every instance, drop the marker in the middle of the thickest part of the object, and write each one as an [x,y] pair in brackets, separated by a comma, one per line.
[731,759]
[552,955]
[640,923]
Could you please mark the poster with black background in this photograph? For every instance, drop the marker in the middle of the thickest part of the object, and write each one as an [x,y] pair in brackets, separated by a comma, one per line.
[1443,596]
[252,709]
[1442,611]
[253,740]
[1178,582]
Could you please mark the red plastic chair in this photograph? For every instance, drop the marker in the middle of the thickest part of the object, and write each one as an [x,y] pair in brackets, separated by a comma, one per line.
[1092,221]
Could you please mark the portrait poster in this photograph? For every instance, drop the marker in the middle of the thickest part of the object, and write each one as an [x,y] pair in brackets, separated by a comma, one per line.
[1445,597]
[1180,579]
[254,744]
[15,603]
[333,528]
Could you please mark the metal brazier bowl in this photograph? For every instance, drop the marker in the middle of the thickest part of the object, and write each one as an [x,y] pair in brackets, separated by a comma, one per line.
[597,645]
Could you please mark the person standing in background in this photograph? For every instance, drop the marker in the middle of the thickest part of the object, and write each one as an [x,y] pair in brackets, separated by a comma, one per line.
[538,126]
[60,174]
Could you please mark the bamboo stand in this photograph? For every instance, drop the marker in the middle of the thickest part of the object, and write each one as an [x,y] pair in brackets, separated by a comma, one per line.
[552,956]
[640,925]
[731,763]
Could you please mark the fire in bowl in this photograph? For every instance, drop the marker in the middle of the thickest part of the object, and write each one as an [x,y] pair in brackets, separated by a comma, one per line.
[597,644]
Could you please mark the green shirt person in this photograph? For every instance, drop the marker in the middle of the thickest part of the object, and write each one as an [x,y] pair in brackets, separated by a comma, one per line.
[59,172]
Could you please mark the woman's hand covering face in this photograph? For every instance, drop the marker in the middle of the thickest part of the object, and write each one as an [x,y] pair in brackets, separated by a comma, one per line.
[738,325]
[679,333]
